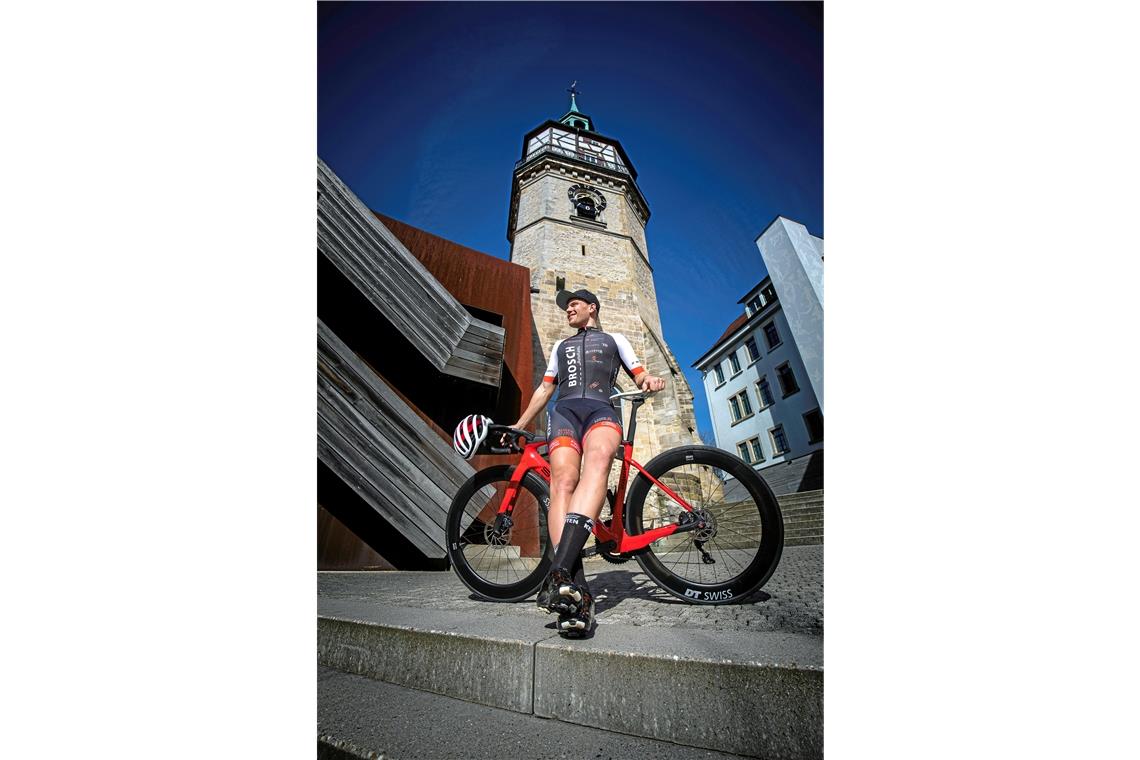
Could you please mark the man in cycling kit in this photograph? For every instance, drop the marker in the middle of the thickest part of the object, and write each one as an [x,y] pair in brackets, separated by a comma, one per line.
[583,435]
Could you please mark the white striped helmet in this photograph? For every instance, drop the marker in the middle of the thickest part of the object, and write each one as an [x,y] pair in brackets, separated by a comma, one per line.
[469,433]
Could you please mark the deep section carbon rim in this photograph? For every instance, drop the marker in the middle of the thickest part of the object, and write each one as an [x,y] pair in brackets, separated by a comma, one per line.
[501,561]
[740,545]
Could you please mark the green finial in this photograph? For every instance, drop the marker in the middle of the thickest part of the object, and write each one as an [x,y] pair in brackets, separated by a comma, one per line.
[573,92]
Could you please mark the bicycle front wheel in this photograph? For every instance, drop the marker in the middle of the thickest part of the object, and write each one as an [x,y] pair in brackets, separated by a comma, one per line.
[738,550]
[499,563]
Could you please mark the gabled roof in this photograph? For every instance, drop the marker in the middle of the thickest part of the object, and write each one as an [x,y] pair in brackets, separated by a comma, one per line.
[736,323]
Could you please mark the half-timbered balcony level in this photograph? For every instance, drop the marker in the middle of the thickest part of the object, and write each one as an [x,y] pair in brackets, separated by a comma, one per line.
[557,142]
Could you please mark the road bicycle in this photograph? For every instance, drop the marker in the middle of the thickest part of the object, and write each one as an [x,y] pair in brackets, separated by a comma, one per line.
[703,525]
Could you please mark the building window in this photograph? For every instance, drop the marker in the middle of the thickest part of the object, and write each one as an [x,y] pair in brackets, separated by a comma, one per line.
[735,362]
[788,384]
[750,451]
[719,374]
[771,335]
[754,305]
[813,421]
[740,406]
[779,440]
[764,393]
[768,294]
[753,351]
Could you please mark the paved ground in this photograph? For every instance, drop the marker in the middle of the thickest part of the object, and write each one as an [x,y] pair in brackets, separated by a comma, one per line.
[379,720]
[791,601]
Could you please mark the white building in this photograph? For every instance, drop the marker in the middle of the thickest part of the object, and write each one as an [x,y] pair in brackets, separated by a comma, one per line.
[761,397]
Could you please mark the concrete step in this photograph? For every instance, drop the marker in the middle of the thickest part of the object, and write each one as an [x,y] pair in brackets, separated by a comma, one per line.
[801,525]
[794,508]
[795,500]
[801,496]
[804,540]
[797,508]
[741,678]
[757,694]
[797,516]
[358,717]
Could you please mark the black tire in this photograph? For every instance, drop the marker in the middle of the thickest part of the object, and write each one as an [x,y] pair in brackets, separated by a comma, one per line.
[747,534]
[507,569]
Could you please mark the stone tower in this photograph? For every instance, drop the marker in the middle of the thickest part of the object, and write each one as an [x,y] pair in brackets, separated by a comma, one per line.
[577,220]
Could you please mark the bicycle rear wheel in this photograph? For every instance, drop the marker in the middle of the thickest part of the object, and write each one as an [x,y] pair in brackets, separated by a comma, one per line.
[505,565]
[745,534]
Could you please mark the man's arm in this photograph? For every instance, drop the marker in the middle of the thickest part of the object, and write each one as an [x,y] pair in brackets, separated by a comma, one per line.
[642,379]
[538,400]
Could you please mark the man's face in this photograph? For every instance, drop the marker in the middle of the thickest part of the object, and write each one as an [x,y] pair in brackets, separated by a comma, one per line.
[578,313]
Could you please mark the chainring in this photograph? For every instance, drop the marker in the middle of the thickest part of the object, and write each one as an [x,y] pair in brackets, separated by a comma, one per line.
[613,559]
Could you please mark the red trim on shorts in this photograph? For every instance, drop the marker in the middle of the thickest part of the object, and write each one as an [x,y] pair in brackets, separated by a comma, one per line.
[637,372]
[548,378]
[563,440]
[602,423]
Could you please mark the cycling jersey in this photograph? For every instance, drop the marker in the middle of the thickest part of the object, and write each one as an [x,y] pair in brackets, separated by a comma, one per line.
[572,419]
[585,365]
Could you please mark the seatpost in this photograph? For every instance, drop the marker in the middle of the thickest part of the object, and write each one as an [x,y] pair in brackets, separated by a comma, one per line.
[633,418]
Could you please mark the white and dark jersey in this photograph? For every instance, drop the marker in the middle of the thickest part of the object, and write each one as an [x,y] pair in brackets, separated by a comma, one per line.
[586,365]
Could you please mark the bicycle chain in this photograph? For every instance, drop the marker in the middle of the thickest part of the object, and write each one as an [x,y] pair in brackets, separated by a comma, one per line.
[613,559]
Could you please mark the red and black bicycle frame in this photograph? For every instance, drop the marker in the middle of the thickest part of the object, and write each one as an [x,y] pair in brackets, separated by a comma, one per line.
[622,541]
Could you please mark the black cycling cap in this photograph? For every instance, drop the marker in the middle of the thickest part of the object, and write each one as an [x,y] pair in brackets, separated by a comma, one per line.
[565,297]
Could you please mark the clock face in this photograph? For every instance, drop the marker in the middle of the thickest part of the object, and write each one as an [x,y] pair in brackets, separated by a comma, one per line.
[584,196]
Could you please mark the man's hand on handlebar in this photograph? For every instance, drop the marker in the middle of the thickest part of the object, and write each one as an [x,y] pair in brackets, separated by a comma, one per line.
[509,437]
[651,383]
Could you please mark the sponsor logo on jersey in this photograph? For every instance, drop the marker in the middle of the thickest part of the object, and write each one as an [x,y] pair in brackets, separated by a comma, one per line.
[571,367]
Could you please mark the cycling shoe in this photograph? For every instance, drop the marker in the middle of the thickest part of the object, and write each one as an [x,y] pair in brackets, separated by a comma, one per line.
[545,595]
[550,597]
[578,622]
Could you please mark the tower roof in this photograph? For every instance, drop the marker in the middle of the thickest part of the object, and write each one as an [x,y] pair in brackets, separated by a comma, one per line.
[574,117]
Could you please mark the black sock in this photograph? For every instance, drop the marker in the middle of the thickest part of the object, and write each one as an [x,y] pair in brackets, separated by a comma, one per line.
[574,534]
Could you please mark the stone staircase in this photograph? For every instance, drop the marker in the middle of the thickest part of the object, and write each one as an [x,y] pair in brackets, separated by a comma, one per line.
[803,517]
[803,522]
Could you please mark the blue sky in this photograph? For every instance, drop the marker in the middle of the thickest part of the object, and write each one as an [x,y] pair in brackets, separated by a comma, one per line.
[422,108]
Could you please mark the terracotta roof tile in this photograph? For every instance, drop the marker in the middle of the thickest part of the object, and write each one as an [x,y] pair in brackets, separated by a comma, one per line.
[736,323]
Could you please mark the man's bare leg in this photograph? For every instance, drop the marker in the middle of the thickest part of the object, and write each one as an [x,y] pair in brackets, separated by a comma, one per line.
[599,448]
[564,465]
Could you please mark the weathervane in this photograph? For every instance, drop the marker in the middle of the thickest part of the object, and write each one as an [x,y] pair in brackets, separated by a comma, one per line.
[573,92]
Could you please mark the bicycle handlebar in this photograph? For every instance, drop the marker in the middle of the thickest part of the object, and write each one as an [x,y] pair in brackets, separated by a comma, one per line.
[513,447]
[633,394]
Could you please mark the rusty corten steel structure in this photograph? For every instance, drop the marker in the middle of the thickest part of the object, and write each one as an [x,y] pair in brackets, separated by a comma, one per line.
[497,289]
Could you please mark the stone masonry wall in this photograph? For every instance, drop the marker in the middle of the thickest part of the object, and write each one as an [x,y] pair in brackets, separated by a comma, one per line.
[549,240]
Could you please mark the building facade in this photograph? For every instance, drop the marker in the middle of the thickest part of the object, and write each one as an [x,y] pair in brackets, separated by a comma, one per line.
[577,220]
[761,402]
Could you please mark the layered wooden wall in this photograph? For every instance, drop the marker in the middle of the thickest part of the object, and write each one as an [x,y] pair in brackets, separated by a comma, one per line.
[393,386]
[395,282]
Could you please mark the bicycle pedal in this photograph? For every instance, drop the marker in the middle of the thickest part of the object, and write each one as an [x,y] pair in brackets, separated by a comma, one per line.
[570,592]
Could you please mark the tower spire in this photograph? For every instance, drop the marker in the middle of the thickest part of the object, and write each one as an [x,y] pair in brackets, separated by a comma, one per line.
[574,92]
[574,117]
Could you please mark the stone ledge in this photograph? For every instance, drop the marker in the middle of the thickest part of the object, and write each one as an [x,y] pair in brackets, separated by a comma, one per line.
[753,693]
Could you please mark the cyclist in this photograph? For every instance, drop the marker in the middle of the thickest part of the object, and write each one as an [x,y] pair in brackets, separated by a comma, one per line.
[583,434]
